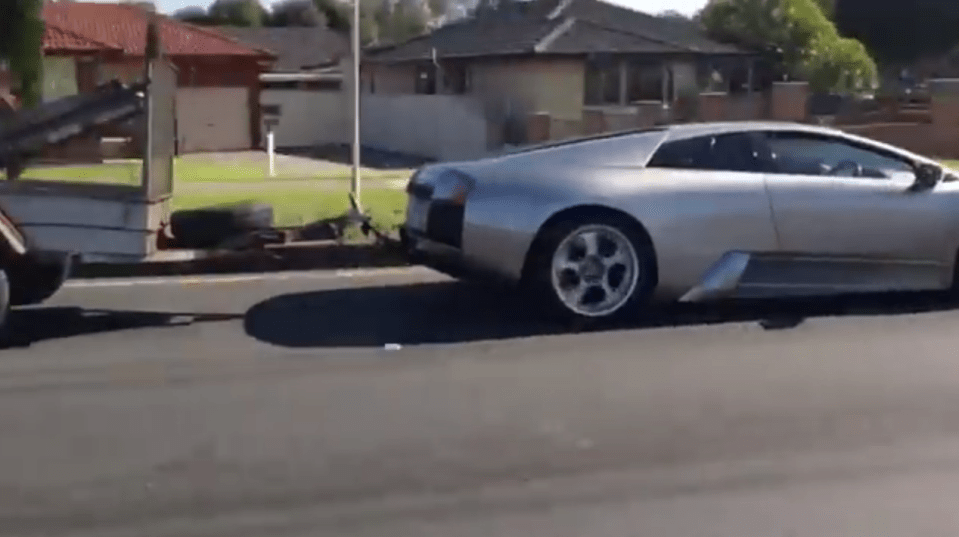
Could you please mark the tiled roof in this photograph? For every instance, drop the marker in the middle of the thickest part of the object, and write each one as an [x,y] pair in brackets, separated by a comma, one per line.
[679,33]
[56,39]
[124,26]
[583,37]
[558,27]
[471,38]
[296,48]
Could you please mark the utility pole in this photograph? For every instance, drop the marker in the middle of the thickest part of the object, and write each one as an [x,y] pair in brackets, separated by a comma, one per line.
[355,29]
[151,53]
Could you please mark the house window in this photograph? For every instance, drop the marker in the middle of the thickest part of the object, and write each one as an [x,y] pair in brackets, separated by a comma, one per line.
[426,79]
[644,82]
[602,79]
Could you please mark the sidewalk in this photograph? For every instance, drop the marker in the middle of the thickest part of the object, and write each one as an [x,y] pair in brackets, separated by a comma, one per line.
[314,255]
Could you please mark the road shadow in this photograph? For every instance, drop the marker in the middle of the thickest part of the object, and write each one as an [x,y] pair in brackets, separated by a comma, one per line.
[32,325]
[456,312]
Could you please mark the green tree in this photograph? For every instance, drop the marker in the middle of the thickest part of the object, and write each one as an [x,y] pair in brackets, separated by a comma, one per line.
[804,39]
[21,43]
[408,20]
[296,13]
[672,14]
[900,33]
[828,8]
[337,14]
[380,17]
[238,13]
[438,8]
[194,15]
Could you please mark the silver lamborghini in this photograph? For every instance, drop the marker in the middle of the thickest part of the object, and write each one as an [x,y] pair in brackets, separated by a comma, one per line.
[601,226]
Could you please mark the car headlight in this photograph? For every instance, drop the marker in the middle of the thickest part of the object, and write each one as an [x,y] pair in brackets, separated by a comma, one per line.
[452,185]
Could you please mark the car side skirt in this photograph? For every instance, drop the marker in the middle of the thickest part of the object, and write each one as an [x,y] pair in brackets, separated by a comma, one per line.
[764,275]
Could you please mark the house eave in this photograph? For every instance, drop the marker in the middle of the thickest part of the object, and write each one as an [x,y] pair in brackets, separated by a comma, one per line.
[549,54]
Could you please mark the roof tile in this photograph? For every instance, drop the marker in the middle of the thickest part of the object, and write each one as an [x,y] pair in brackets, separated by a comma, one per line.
[677,33]
[573,27]
[473,38]
[124,26]
[58,39]
[296,48]
[584,37]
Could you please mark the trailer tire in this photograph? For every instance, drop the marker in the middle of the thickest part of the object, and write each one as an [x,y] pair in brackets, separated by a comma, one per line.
[31,282]
[210,226]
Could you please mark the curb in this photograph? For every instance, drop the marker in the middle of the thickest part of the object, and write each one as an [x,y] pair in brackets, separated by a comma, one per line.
[318,255]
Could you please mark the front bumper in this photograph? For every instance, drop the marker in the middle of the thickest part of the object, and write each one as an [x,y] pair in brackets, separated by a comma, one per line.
[420,250]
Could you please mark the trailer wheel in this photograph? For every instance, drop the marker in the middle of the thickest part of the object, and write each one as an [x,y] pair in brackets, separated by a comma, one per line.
[210,226]
[32,282]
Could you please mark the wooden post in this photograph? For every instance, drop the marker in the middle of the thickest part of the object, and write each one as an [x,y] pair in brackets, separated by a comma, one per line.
[151,53]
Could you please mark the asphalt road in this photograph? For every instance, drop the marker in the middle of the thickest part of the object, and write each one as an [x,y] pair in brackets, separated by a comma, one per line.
[282,406]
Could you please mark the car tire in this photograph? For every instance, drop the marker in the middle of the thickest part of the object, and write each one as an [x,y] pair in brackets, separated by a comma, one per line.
[31,282]
[952,292]
[614,277]
[211,226]
[4,308]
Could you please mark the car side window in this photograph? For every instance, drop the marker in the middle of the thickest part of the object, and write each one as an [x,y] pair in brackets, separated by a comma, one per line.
[800,153]
[722,152]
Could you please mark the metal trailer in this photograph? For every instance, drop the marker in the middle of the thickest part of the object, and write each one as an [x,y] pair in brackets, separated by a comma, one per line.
[47,226]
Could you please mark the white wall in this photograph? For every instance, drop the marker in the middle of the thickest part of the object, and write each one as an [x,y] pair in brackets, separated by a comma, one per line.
[310,117]
[443,127]
[59,77]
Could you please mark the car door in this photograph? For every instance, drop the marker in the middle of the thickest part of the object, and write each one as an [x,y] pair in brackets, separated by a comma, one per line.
[847,217]
[716,204]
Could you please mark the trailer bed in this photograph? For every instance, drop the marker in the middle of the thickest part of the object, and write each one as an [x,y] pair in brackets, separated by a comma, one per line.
[98,222]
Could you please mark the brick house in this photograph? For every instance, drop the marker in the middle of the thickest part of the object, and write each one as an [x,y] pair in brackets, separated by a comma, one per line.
[218,95]
[559,56]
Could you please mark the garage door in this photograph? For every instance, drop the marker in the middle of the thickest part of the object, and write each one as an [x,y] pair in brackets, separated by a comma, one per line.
[213,119]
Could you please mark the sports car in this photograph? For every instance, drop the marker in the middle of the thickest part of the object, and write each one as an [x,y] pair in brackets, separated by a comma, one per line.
[602,226]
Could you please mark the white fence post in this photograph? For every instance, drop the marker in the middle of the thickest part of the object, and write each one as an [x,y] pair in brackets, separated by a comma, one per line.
[271,149]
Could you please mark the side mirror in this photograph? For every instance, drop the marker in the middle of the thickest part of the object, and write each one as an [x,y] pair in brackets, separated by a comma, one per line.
[927,175]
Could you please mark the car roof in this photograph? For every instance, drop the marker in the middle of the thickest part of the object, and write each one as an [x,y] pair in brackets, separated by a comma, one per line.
[690,130]
[685,130]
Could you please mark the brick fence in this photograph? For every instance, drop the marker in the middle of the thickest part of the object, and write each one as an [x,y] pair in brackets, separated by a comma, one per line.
[934,132]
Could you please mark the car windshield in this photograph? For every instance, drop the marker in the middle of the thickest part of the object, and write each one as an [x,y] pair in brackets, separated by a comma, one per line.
[814,155]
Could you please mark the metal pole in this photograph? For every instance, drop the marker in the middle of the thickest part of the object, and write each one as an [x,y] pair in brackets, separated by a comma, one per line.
[355,27]
[271,149]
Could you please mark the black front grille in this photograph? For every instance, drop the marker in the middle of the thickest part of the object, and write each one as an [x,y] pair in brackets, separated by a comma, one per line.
[445,223]
[419,190]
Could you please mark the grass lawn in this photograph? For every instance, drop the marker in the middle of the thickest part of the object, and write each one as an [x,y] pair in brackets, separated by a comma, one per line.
[294,207]
[195,170]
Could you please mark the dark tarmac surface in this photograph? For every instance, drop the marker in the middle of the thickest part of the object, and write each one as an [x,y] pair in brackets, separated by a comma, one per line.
[274,406]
